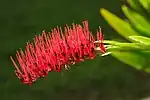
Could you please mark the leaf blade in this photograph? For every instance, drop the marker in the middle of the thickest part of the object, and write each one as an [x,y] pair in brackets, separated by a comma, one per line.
[138,21]
[140,39]
[130,58]
[121,26]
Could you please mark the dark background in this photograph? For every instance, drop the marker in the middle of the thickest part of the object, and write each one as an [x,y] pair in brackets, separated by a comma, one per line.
[104,78]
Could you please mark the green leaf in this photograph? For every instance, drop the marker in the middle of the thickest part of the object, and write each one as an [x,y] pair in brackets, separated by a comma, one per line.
[135,4]
[140,39]
[121,26]
[145,4]
[139,21]
[137,59]
[130,58]
[114,45]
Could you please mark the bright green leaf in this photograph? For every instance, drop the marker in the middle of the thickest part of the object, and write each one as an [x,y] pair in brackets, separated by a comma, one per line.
[137,59]
[139,21]
[135,4]
[141,39]
[146,4]
[114,45]
[121,26]
[130,58]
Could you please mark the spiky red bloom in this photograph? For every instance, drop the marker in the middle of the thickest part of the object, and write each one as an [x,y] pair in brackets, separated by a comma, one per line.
[55,50]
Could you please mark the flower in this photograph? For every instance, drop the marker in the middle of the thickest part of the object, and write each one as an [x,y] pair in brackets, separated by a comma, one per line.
[56,50]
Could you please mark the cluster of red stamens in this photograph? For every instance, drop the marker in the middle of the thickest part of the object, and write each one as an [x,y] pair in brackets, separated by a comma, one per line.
[55,50]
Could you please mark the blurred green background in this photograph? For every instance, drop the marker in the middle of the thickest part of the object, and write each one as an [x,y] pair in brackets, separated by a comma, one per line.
[104,78]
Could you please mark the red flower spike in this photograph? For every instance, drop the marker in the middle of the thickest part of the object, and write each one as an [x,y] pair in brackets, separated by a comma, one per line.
[56,50]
